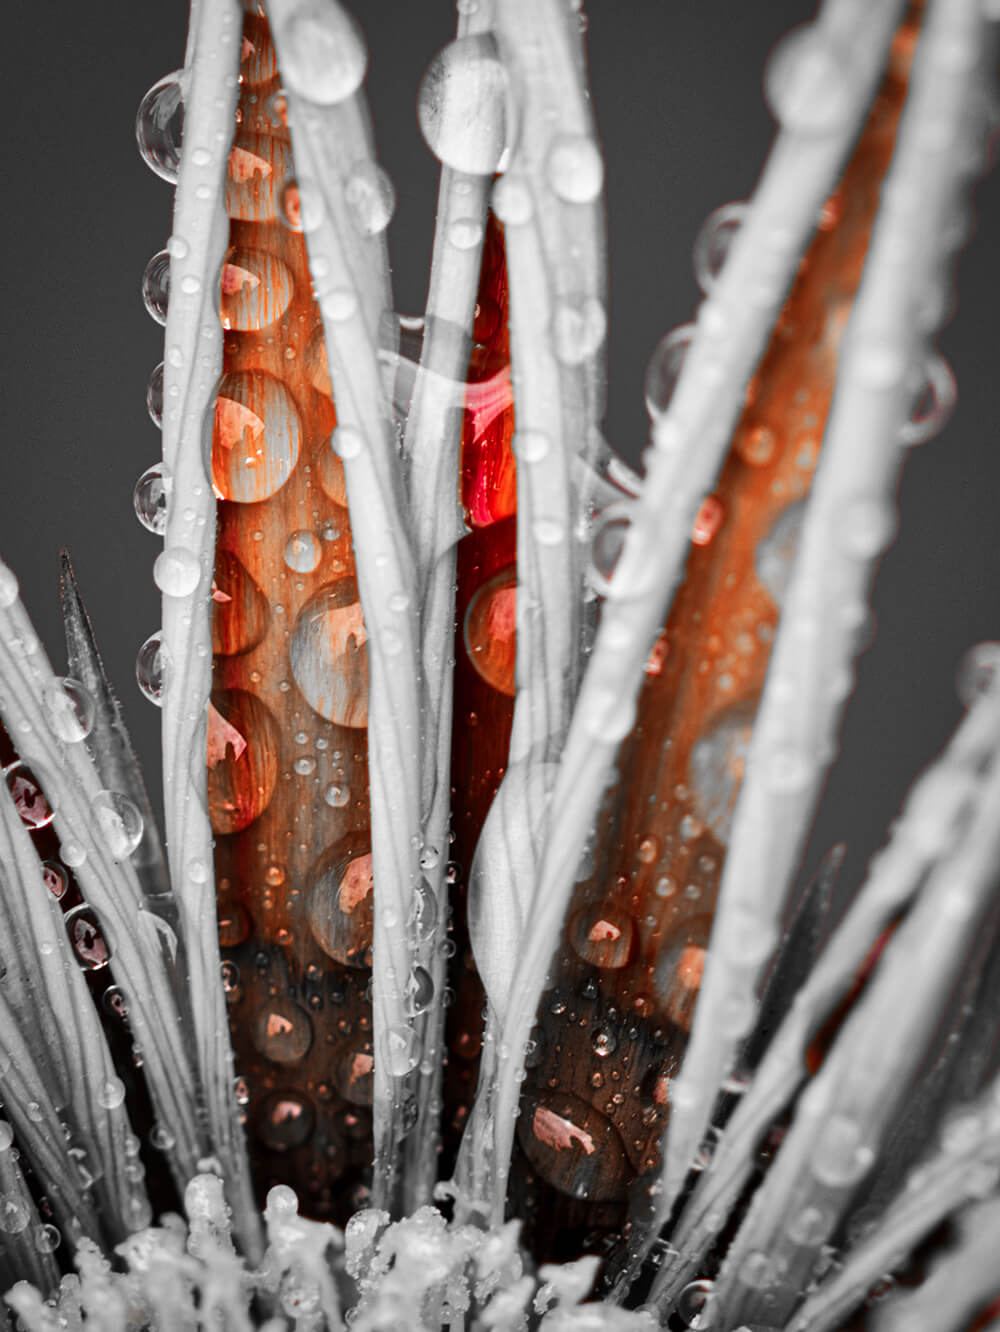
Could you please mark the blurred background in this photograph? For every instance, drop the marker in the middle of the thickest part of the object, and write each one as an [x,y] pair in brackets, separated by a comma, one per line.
[677,94]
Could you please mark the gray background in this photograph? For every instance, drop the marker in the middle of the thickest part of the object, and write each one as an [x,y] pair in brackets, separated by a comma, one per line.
[677,91]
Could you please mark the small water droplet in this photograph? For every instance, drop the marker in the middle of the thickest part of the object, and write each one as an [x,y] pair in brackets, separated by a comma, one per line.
[151,498]
[85,935]
[933,404]
[806,83]
[579,326]
[152,668]
[154,395]
[303,552]
[465,233]
[111,1094]
[402,1051]
[347,442]
[156,286]
[371,198]
[664,369]
[576,169]
[159,123]
[69,708]
[337,796]
[118,823]
[424,912]
[419,991]
[511,201]
[714,242]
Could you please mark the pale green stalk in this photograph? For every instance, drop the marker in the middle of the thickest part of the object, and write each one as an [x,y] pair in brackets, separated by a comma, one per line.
[555,264]
[432,447]
[931,820]
[690,444]
[110,886]
[850,520]
[192,366]
[845,1114]
[351,290]
[962,1170]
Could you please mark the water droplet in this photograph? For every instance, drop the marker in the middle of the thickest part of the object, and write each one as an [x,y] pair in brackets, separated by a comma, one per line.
[337,796]
[8,586]
[118,823]
[156,286]
[305,766]
[576,169]
[47,1238]
[301,205]
[776,551]
[465,233]
[159,123]
[338,304]
[74,853]
[402,1051]
[323,53]
[840,1157]
[604,1042]
[329,654]
[695,1306]
[424,913]
[55,878]
[69,708]
[154,395]
[606,545]
[933,403]
[347,442]
[511,201]
[151,497]
[26,791]
[151,668]
[283,1032]
[6,1136]
[978,672]
[865,526]
[806,83]
[664,369]
[14,1214]
[602,935]
[419,991]
[716,768]
[242,757]
[579,326]
[112,1094]
[371,198]
[256,438]
[85,935]
[340,904]
[714,241]
[463,106]
[575,1148]
[177,571]
[303,552]
[256,289]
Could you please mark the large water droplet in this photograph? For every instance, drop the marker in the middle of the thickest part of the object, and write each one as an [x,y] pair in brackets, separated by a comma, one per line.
[158,126]
[490,630]
[696,1306]
[424,912]
[323,53]
[284,1120]
[340,904]
[574,1147]
[177,571]
[242,757]
[118,823]
[371,198]
[602,935]
[26,791]
[257,289]
[329,654]
[257,437]
[56,878]
[240,613]
[463,106]
[151,668]
[151,497]
[156,286]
